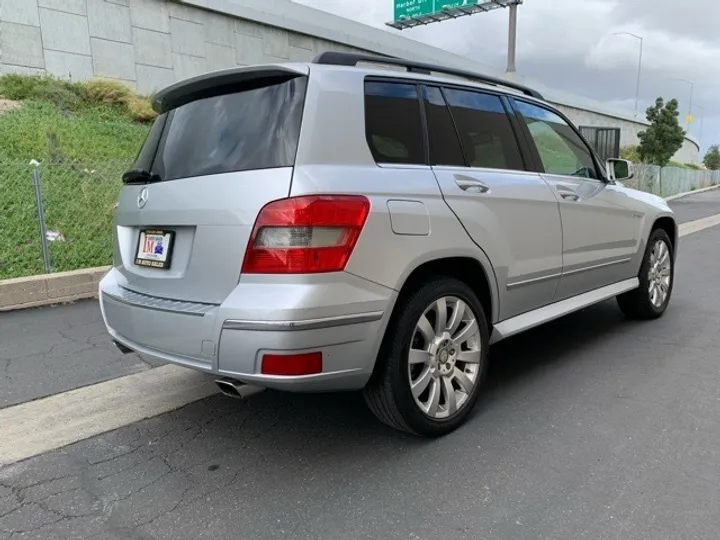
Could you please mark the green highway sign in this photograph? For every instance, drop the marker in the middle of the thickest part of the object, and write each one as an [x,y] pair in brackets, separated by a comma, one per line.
[411,13]
[415,8]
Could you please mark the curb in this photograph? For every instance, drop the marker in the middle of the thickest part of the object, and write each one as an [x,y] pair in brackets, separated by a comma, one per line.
[49,289]
[680,195]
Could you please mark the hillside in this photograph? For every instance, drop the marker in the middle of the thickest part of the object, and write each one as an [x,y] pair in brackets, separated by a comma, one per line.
[83,135]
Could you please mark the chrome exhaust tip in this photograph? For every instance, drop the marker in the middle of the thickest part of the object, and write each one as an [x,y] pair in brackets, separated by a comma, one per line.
[237,389]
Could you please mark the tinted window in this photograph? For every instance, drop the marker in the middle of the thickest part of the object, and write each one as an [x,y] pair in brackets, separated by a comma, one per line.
[393,125]
[561,150]
[146,155]
[445,146]
[257,128]
[487,136]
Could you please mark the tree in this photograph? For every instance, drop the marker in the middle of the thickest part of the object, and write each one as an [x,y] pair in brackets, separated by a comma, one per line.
[712,158]
[664,137]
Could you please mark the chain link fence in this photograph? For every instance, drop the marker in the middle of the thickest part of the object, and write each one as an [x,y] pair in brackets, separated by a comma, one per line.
[669,181]
[57,216]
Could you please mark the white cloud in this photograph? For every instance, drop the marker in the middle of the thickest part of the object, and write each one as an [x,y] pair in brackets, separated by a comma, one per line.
[569,45]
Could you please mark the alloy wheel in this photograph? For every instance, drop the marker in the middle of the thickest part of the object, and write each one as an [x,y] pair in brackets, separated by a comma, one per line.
[659,274]
[444,358]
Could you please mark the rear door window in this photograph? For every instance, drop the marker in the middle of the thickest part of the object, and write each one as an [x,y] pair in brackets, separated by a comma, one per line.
[487,136]
[393,125]
[255,128]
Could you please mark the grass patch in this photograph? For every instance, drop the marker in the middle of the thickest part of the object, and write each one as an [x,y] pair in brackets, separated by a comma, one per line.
[84,136]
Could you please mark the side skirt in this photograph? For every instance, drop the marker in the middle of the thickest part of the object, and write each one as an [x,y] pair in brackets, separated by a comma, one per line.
[539,316]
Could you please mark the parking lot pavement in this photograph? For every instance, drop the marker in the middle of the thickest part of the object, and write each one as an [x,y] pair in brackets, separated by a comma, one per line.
[50,350]
[590,427]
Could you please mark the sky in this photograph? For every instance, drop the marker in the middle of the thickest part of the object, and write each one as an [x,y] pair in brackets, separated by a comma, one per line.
[570,45]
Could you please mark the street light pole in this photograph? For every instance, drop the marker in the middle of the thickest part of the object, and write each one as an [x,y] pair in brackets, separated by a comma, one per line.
[639,70]
[512,39]
[692,88]
[702,121]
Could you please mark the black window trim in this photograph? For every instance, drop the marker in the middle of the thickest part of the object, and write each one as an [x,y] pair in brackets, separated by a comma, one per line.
[426,125]
[423,122]
[532,148]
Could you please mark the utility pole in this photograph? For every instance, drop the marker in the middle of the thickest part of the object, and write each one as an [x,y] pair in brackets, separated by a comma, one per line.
[512,39]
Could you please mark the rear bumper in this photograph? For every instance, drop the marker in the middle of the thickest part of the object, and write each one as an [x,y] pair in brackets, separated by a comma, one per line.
[341,316]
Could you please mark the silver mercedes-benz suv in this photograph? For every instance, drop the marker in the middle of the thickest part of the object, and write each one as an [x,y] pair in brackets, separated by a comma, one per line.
[370,223]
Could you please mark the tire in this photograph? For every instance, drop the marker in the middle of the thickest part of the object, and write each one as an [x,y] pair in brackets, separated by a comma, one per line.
[454,369]
[638,304]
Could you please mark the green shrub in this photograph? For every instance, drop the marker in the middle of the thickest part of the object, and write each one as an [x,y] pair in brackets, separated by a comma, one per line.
[108,91]
[19,87]
[630,153]
[141,110]
[60,96]
[28,87]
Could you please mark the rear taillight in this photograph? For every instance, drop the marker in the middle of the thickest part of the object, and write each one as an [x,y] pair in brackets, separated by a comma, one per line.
[306,235]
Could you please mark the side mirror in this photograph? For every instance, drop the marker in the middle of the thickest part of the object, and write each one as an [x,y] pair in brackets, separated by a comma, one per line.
[620,169]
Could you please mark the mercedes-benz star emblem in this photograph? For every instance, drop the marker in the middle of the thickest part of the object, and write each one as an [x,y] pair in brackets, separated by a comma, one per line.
[143,197]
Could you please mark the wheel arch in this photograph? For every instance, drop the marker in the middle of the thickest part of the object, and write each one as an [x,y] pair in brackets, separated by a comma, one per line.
[670,226]
[478,274]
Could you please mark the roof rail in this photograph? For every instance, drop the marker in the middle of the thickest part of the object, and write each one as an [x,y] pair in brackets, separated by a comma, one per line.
[335,58]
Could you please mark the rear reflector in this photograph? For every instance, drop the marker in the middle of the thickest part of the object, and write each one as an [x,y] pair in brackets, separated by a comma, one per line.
[292,364]
[306,235]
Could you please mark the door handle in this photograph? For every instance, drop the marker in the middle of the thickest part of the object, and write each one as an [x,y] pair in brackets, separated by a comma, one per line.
[471,185]
[567,193]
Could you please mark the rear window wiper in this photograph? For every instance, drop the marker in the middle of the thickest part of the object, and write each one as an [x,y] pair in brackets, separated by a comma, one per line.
[140,176]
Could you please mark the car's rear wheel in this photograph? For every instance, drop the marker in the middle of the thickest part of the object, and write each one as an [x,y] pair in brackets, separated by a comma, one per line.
[657,276]
[433,360]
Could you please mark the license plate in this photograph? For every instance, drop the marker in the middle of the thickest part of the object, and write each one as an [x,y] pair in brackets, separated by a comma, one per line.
[155,248]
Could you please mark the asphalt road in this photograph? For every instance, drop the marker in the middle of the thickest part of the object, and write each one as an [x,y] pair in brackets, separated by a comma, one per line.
[591,427]
[50,350]
[697,206]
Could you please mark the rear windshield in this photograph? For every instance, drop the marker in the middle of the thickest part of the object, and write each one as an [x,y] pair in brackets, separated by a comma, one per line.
[254,128]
